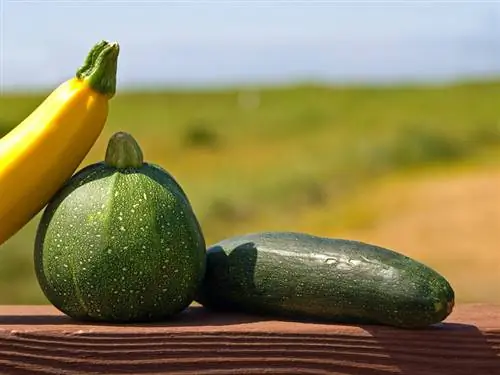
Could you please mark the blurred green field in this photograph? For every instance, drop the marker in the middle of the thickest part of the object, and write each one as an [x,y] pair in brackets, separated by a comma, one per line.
[281,158]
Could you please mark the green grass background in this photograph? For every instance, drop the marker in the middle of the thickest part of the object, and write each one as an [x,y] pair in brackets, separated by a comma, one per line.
[255,159]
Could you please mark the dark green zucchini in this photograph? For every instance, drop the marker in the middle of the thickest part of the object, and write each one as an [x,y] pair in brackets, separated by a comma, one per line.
[305,277]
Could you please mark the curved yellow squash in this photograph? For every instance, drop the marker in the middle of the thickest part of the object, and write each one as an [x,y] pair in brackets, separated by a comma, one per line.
[43,151]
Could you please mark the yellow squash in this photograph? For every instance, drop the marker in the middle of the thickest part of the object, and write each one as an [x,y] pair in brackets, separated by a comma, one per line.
[41,153]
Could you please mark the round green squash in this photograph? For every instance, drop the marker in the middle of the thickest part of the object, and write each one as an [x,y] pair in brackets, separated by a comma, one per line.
[120,242]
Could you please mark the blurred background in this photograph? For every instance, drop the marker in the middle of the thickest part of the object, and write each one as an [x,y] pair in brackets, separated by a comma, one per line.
[374,121]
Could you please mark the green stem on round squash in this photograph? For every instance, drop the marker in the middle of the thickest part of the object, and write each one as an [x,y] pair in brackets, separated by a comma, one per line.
[100,66]
[123,151]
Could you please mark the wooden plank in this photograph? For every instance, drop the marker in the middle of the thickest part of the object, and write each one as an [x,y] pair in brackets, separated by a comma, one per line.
[41,340]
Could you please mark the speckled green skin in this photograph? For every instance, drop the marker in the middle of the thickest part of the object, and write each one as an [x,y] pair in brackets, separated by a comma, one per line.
[305,277]
[120,245]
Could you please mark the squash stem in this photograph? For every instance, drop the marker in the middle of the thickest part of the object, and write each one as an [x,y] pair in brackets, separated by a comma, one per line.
[123,151]
[90,59]
[100,66]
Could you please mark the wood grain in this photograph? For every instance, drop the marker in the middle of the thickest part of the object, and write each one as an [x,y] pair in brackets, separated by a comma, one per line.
[41,340]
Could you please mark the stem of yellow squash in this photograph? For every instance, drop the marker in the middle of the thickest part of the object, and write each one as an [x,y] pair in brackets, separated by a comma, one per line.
[100,66]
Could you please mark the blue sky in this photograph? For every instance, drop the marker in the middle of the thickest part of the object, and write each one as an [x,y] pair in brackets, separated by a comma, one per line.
[230,42]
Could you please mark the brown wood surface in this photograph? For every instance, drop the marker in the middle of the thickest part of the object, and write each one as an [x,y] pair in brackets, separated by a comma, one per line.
[41,340]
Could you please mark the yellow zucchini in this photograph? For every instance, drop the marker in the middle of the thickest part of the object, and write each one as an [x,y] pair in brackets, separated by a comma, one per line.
[45,149]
